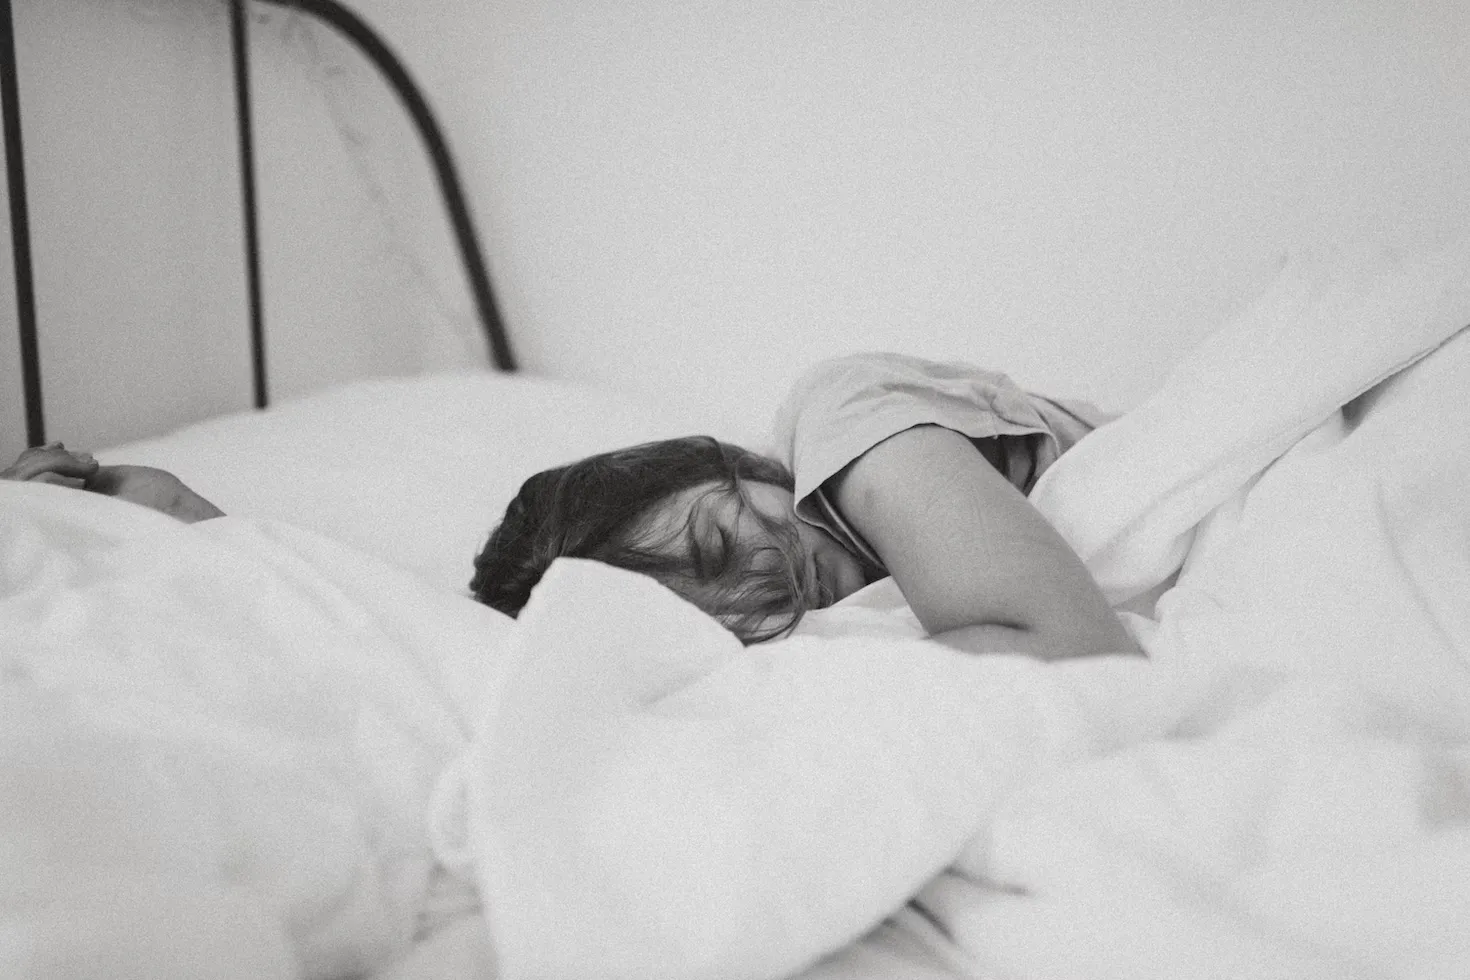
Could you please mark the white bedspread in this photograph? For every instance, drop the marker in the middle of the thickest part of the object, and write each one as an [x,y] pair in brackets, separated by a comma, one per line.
[1324,830]
[217,745]
[235,749]
[1282,790]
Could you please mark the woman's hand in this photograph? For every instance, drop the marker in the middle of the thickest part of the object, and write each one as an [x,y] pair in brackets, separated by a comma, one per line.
[51,463]
[152,488]
[156,489]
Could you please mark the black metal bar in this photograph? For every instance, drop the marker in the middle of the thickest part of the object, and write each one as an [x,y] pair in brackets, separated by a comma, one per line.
[370,44]
[20,232]
[373,46]
[240,45]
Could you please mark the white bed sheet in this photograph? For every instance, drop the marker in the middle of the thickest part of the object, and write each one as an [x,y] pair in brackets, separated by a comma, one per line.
[412,470]
[1240,806]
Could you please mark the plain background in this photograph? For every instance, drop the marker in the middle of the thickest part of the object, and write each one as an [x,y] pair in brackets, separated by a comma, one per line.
[694,200]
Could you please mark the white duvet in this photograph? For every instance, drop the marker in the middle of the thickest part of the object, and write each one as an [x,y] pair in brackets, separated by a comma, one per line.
[217,744]
[1282,790]
[240,749]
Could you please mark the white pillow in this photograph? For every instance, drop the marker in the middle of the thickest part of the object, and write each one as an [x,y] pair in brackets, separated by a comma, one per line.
[414,471]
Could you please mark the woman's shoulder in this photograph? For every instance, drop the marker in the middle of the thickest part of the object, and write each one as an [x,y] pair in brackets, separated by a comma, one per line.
[862,382]
[840,406]
[838,382]
[868,367]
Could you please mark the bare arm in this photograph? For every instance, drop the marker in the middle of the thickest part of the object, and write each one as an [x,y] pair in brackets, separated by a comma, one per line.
[153,488]
[156,489]
[981,568]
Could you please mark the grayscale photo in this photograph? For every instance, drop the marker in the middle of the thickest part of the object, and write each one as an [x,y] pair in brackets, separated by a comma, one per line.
[714,490]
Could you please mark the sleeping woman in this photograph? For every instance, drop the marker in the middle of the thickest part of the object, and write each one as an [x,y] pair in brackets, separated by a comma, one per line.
[882,465]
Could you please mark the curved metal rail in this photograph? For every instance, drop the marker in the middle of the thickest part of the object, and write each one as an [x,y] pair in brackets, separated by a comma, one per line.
[371,45]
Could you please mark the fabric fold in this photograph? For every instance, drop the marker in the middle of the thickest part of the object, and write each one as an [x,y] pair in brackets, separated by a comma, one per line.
[1129,496]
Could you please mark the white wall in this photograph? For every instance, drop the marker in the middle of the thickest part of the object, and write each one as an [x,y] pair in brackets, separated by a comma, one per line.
[699,198]
[360,274]
[133,213]
[131,154]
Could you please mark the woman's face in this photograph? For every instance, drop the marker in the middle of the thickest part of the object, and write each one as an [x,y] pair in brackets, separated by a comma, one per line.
[831,571]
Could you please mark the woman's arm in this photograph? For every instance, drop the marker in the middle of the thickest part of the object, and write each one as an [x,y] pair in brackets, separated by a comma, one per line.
[156,489]
[153,488]
[981,568]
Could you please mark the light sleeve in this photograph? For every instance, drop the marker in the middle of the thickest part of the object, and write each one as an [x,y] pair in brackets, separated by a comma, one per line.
[841,408]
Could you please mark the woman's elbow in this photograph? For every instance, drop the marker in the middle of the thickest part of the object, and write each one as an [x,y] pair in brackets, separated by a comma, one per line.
[1042,641]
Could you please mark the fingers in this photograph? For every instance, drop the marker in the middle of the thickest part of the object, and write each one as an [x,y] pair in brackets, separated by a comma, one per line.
[75,482]
[52,458]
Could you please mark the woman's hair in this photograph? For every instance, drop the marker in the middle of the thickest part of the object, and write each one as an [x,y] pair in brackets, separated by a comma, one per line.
[605,507]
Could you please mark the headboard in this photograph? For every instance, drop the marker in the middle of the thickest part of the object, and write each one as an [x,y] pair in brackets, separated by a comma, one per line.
[376,50]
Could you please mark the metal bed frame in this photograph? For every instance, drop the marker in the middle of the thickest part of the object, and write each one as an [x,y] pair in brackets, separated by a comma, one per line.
[369,43]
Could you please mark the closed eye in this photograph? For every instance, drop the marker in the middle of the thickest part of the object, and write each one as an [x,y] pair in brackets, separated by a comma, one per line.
[720,551]
[710,560]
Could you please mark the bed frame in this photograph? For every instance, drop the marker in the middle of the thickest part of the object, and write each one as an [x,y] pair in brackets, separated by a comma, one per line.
[370,44]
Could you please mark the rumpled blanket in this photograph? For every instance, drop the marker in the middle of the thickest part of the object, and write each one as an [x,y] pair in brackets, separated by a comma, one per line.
[218,743]
[1281,790]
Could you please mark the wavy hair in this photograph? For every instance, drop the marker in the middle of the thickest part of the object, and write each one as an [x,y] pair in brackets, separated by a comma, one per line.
[604,508]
